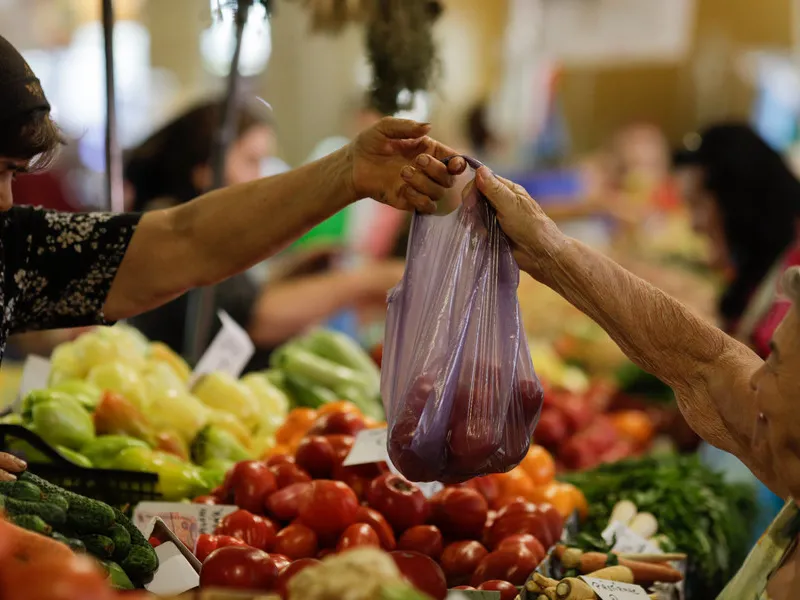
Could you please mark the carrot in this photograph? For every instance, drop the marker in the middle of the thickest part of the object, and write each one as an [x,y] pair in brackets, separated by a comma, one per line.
[572,588]
[589,562]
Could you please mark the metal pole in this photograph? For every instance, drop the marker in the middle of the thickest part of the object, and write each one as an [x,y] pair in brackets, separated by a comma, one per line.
[114,184]
[200,313]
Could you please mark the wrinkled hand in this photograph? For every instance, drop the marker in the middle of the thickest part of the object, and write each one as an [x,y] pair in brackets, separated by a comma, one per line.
[9,465]
[533,235]
[395,162]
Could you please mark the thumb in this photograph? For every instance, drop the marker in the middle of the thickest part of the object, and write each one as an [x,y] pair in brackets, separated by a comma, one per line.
[402,129]
[495,190]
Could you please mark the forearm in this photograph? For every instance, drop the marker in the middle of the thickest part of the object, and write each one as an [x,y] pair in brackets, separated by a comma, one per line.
[223,232]
[287,308]
[708,370]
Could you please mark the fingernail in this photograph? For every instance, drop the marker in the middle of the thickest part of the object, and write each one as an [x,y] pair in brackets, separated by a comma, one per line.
[18,462]
[407,172]
[423,160]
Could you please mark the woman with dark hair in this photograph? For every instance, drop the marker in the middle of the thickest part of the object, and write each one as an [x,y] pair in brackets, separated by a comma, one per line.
[60,270]
[744,198]
[172,167]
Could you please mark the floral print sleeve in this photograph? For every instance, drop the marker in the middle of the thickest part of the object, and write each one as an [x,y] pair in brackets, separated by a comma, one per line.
[58,267]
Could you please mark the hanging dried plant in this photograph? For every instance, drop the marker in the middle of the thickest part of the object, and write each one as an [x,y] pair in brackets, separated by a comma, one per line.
[401,49]
[332,16]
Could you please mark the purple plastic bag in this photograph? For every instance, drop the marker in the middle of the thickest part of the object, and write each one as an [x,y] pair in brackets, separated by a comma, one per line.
[461,396]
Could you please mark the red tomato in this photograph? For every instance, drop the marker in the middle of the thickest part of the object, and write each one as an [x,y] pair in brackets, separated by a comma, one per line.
[55,578]
[358,534]
[207,543]
[338,423]
[278,459]
[508,591]
[402,503]
[342,445]
[287,572]
[517,506]
[288,473]
[532,523]
[315,454]
[154,542]
[206,500]
[514,566]
[375,520]
[239,567]
[554,519]
[460,512]
[255,531]
[460,559]
[487,487]
[425,539]
[251,482]
[357,477]
[296,541]
[472,441]
[330,508]
[280,560]
[524,540]
[421,572]
[285,504]
[551,429]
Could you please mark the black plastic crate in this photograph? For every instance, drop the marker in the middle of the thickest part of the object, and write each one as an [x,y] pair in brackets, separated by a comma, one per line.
[113,486]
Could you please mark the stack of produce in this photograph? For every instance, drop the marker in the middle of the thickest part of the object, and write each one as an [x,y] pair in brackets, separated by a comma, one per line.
[81,524]
[305,505]
[581,434]
[117,401]
[695,511]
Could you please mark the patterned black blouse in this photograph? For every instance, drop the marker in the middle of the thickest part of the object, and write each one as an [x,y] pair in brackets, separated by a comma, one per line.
[57,268]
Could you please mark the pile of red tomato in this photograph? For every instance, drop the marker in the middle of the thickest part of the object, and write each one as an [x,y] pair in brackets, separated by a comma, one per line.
[297,509]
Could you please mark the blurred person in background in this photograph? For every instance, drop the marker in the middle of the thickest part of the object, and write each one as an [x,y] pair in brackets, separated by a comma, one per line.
[172,167]
[745,201]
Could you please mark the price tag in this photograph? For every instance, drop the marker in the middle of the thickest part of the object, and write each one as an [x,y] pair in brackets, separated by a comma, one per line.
[615,590]
[368,447]
[174,575]
[35,374]
[627,540]
[229,352]
[186,521]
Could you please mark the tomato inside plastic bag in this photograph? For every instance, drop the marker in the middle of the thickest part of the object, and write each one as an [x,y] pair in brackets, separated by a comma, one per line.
[461,395]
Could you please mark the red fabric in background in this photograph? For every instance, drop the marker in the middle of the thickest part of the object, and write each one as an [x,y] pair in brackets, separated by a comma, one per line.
[42,189]
[781,305]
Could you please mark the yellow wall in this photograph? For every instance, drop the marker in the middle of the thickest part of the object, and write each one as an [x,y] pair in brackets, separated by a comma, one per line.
[598,100]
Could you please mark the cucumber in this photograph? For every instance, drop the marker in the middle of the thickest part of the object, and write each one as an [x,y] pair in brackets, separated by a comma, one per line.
[50,493]
[117,576]
[89,516]
[122,541]
[141,563]
[49,513]
[24,490]
[32,523]
[137,537]
[98,545]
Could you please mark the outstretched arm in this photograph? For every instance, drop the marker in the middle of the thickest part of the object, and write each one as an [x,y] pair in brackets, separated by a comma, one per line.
[227,230]
[709,371]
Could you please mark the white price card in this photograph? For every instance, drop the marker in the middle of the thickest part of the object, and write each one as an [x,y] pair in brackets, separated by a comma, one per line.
[174,575]
[368,447]
[35,375]
[627,540]
[616,590]
[229,352]
[186,521]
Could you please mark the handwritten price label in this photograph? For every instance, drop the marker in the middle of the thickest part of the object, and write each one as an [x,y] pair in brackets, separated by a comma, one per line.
[186,521]
[615,590]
